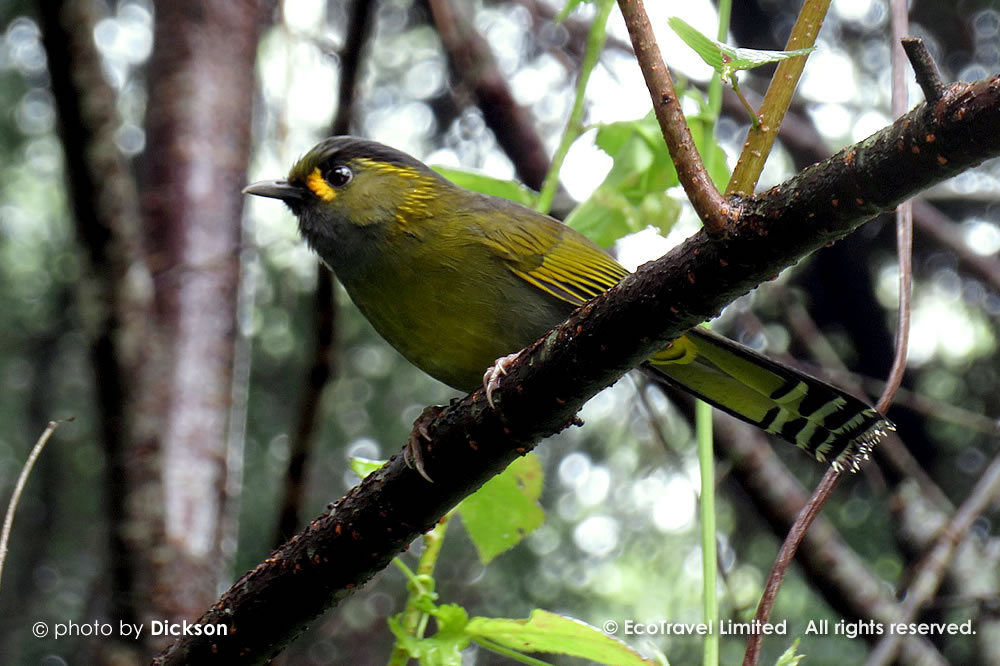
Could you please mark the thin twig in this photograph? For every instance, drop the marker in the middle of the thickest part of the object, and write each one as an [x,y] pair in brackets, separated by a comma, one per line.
[785,556]
[924,68]
[841,575]
[22,480]
[714,209]
[891,449]
[904,220]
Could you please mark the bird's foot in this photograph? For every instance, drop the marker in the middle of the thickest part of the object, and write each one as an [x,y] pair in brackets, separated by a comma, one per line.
[413,453]
[491,378]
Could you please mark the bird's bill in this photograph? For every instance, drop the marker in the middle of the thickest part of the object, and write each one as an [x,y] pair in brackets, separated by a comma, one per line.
[275,189]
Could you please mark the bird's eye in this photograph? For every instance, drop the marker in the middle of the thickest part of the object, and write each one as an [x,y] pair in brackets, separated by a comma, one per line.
[339,175]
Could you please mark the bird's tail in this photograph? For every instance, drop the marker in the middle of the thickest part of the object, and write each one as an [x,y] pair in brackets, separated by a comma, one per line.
[811,414]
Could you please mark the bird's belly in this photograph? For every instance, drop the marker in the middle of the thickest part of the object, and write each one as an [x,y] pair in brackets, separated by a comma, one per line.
[454,329]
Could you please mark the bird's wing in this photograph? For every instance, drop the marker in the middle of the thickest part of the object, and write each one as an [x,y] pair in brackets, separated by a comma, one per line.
[554,258]
[819,418]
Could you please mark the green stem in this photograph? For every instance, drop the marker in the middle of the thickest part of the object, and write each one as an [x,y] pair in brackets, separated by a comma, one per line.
[595,44]
[703,413]
[414,620]
[777,99]
[709,566]
[715,87]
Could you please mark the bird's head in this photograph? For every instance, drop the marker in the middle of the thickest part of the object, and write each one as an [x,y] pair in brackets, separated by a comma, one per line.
[352,195]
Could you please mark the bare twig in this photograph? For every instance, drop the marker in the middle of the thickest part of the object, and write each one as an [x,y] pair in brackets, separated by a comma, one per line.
[830,479]
[924,68]
[904,221]
[785,556]
[22,480]
[715,211]
[833,567]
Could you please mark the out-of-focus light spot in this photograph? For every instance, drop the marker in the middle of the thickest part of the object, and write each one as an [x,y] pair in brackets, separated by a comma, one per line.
[985,24]
[130,139]
[973,72]
[675,507]
[372,361]
[127,37]
[830,77]
[641,247]
[852,10]
[544,540]
[867,124]
[363,448]
[944,328]
[597,535]
[585,167]
[303,15]
[43,155]
[982,237]
[25,47]
[574,469]
[594,489]
[35,113]
[402,126]
[425,79]
[832,120]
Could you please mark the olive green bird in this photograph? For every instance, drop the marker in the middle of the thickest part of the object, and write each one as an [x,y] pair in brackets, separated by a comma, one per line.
[455,280]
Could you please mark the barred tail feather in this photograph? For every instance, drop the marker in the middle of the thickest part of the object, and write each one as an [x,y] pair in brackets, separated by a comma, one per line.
[811,414]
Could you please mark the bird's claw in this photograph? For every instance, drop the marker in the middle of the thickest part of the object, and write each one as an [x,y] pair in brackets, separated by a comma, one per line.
[413,452]
[491,378]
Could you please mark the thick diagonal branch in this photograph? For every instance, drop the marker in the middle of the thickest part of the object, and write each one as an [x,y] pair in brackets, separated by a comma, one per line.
[547,385]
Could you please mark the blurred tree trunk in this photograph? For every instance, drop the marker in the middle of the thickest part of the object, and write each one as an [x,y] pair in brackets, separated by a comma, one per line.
[201,83]
[165,268]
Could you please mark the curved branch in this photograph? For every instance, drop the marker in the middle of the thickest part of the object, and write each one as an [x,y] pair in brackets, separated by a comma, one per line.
[549,382]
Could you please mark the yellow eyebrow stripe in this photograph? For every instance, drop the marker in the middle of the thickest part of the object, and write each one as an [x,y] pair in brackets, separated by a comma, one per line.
[318,185]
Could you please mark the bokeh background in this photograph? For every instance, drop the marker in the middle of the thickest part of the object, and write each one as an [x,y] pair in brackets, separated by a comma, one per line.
[620,539]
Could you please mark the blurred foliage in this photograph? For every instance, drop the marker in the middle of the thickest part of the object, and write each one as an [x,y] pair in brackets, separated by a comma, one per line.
[619,541]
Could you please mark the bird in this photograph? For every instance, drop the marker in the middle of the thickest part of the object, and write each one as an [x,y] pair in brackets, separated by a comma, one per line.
[458,282]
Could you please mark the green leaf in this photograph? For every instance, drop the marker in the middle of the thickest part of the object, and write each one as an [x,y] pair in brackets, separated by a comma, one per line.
[505,509]
[789,658]
[445,647]
[478,182]
[725,59]
[632,195]
[364,466]
[548,632]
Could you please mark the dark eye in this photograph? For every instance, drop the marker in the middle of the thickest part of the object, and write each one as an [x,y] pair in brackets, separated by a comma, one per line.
[339,175]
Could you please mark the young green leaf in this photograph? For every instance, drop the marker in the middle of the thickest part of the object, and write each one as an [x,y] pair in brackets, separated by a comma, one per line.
[632,196]
[547,632]
[789,658]
[725,59]
[501,513]
[445,647]
[363,466]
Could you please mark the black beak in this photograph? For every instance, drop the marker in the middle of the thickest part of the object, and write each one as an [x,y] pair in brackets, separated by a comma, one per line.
[276,189]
